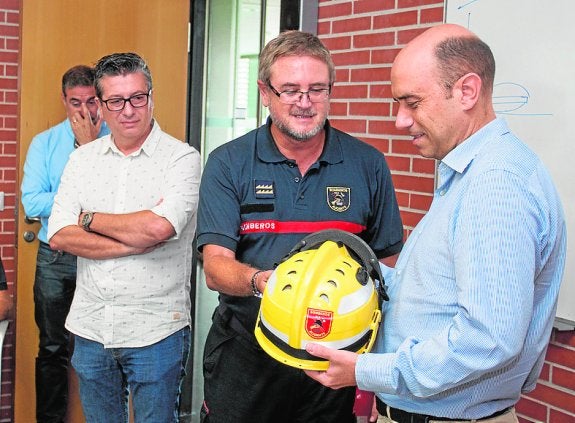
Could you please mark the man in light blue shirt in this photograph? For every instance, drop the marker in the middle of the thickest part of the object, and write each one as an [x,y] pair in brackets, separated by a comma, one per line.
[474,292]
[55,278]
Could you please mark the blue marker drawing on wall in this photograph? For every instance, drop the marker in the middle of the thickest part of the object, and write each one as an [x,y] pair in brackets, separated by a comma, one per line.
[509,98]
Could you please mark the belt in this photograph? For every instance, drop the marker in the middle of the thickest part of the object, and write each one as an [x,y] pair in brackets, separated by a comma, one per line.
[401,416]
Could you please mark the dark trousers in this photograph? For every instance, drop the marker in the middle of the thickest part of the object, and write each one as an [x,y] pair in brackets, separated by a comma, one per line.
[243,384]
[54,286]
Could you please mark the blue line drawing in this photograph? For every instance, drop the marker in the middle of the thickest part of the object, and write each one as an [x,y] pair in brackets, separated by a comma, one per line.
[466,4]
[508,97]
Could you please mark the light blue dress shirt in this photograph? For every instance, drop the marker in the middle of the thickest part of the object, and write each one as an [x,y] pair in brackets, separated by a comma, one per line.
[45,161]
[474,292]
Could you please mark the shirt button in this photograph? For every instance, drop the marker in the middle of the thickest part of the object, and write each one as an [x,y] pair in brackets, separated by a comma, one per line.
[442,192]
[296,179]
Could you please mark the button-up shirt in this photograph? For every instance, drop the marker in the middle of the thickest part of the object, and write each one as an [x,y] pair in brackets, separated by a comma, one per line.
[474,292]
[136,300]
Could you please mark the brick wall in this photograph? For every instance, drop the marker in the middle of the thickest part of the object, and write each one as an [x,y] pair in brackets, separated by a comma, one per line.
[364,37]
[9,49]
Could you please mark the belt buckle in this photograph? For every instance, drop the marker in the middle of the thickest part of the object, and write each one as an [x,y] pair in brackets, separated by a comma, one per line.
[387,418]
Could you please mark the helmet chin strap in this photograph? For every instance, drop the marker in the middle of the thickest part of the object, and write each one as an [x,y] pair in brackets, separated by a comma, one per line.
[356,246]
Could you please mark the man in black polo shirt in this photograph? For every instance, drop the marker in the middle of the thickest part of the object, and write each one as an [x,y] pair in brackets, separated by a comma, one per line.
[262,193]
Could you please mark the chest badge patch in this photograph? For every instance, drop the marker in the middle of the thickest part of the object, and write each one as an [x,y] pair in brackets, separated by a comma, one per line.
[338,198]
[264,189]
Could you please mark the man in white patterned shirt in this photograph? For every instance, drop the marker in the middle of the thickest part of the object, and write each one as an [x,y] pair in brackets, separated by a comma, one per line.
[126,206]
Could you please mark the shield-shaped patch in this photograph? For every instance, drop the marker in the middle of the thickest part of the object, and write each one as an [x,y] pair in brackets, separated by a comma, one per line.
[338,198]
[318,323]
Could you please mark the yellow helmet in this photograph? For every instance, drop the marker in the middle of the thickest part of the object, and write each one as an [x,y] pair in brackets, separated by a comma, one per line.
[325,292]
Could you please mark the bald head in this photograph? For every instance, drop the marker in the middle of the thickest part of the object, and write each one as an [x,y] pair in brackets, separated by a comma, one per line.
[447,52]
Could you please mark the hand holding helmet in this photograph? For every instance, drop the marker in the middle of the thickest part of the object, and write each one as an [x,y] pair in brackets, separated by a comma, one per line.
[324,292]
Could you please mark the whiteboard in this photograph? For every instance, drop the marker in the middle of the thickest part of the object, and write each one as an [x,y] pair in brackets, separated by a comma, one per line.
[534,49]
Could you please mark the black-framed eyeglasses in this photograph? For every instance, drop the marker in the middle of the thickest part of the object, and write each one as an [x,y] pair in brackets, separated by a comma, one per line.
[117,104]
[315,95]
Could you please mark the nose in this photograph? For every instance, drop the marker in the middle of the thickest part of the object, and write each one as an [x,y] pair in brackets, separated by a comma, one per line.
[403,119]
[304,99]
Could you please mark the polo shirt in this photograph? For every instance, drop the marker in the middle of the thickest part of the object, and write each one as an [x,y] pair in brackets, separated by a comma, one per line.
[254,201]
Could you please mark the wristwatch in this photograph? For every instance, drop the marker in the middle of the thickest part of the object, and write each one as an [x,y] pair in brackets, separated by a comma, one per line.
[87,220]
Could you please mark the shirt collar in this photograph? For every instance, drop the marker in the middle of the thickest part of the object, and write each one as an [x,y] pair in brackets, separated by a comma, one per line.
[267,150]
[461,156]
[148,147]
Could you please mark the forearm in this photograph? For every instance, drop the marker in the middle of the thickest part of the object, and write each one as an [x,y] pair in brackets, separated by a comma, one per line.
[227,275]
[75,240]
[139,229]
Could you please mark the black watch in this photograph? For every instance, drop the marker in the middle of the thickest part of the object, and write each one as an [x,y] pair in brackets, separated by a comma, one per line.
[87,221]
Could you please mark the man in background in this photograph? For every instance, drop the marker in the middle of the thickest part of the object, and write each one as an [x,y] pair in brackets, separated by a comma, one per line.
[55,278]
[127,208]
[474,292]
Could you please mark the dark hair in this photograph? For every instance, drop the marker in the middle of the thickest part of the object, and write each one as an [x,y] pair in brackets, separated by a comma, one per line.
[121,64]
[457,56]
[78,76]
[293,43]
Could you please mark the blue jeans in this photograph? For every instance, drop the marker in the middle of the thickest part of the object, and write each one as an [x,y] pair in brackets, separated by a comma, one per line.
[152,374]
[54,285]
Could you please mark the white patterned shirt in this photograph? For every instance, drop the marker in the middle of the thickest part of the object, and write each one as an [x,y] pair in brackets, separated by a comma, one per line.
[141,299]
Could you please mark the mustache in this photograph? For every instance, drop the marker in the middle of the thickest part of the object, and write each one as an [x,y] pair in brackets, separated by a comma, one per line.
[302,112]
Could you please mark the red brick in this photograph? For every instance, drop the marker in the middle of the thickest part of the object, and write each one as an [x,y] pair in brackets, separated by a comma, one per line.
[349,125]
[404,147]
[337,43]
[545,374]
[354,57]
[398,163]
[342,75]
[403,4]
[382,144]
[335,10]
[554,397]
[9,31]
[420,201]
[423,165]
[562,356]
[409,218]
[377,39]
[371,74]
[386,127]
[338,108]
[402,199]
[351,25]
[434,15]
[323,28]
[386,56]
[11,5]
[413,183]
[13,18]
[394,20]
[563,377]
[405,36]
[369,109]
[556,416]
[380,91]
[366,6]
[350,91]
[12,44]
[8,56]
[532,409]
[565,337]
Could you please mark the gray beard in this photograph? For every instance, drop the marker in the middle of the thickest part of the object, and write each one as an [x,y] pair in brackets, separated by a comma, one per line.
[298,135]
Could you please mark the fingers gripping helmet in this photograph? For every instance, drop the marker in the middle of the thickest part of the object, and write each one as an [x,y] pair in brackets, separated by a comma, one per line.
[325,292]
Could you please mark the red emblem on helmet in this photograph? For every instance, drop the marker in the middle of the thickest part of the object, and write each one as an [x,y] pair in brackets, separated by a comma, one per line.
[318,323]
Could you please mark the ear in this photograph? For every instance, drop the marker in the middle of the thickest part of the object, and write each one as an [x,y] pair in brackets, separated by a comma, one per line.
[470,86]
[264,94]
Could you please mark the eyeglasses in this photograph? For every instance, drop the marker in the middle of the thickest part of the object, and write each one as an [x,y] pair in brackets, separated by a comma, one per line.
[315,95]
[117,104]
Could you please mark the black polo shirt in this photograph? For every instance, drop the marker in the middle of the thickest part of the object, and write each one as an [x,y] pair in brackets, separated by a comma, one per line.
[254,201]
